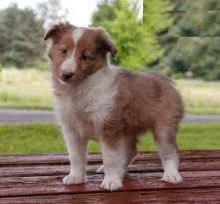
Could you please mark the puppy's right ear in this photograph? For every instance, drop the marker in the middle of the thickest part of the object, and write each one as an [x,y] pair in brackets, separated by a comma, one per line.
[57,30]
[49,34]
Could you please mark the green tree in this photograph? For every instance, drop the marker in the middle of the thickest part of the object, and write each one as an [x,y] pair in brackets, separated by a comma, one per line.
[193,42]
[134,37]
[21,36]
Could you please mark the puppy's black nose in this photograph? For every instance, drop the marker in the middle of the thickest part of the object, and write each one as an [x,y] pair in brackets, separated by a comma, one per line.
[67,75]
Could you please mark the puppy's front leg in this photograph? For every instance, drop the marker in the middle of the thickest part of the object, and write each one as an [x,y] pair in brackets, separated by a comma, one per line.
[115,160]
[76,147]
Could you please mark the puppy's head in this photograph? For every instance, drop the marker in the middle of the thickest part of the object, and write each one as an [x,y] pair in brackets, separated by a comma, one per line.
[77,52]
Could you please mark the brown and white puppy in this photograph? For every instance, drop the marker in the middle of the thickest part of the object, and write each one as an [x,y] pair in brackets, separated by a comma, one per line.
[96,100]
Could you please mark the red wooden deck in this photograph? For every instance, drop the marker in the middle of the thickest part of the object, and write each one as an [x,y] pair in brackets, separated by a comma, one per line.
[38,179]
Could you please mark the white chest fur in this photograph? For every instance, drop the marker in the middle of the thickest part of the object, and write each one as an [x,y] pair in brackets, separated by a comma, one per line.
[92,101]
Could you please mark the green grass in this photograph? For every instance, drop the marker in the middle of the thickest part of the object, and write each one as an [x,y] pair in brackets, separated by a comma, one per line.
[199,96]
[42,138]
[27,89]
[30,89]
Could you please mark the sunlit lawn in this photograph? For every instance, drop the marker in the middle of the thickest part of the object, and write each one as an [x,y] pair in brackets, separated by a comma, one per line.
[42,138]
[30,89]
[199,96]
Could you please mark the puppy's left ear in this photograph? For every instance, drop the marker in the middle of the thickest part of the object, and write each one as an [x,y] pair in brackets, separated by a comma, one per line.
[106,42]
[58,30]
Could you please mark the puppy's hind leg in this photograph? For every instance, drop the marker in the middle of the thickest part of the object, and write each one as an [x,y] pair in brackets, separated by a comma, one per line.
[115,159]
[165,136]
[131,157]
[131,151]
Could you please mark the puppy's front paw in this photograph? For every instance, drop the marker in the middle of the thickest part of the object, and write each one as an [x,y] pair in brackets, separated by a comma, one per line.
[70,179]
[111,183]
[172,177]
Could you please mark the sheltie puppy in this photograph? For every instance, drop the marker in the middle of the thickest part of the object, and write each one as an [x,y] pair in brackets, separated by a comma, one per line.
[99,101]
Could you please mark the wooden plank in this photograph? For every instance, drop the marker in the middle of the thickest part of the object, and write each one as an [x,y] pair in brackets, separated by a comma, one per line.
[47,185]
[137,167]
[33,179]
[96,158]
[151,196]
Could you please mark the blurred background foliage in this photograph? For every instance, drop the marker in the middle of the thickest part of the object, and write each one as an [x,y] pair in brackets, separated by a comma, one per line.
[20,37]
[192,43]
[133,35]
[179,38]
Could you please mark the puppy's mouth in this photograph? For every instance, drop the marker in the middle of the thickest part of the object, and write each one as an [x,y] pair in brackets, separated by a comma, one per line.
[70,78]
[67,77]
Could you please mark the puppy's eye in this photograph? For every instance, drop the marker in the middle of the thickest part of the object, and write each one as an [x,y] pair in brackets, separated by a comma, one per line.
[83,57]
[64,50]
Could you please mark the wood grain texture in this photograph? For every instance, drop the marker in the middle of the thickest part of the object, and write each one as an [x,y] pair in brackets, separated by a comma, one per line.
[150,196]
[95,158]
[46,185]
[38,179]
[136,167]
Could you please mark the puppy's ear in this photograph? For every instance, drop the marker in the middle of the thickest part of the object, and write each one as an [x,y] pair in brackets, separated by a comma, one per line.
[57,30]
[105,42]
[50,33]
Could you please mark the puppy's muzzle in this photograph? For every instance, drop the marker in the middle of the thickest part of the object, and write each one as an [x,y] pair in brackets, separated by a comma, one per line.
[66,76]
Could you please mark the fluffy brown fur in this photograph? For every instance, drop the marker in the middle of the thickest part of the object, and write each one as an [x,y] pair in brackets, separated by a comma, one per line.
[144,102]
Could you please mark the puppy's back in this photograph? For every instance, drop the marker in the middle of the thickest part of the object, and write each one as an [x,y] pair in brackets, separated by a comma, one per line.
[145,98]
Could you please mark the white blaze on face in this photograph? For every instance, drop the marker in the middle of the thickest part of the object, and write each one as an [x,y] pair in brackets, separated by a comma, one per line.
[77,34]
[69,65]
